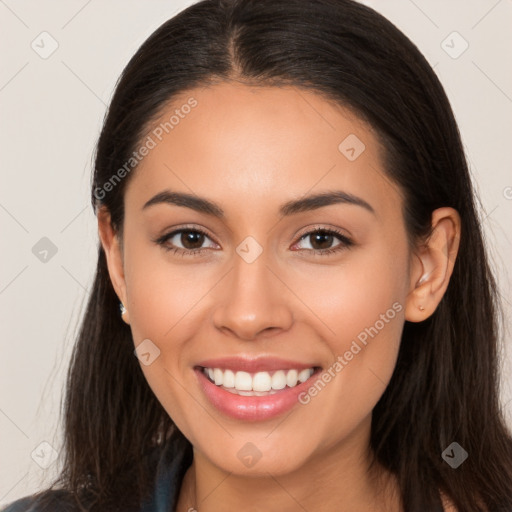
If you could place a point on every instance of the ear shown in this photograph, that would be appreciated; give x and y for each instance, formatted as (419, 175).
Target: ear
(111, 244)
(433, 265)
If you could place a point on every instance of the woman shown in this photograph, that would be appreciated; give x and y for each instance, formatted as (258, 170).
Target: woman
(290, 247)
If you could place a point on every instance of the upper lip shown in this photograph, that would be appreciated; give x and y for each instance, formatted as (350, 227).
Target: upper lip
(254, 365)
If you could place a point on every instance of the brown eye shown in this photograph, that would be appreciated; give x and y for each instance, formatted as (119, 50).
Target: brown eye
(185, 241)
(192, 239)
(321, 241)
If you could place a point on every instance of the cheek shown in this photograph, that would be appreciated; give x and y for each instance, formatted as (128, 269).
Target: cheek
(358, 293)
(164, 303)
(161, 295)
(361, 302)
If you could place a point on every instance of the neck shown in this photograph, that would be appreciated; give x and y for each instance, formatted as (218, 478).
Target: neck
(337, 479)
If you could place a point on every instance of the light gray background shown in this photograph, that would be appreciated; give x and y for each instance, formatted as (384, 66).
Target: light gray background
(51, 111)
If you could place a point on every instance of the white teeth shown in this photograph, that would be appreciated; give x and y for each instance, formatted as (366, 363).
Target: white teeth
(291, 378)
(262, 381)
(304, 375)
(243, 381)
(229, 379)
(279, 380)
(258, 384)
(218, 376)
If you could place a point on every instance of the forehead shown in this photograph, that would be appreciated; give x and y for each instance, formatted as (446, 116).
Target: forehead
(247, 146)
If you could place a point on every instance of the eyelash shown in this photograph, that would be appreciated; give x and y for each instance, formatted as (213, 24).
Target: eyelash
(346, 242)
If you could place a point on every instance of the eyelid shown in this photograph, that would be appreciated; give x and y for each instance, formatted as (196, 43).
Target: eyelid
(161, 240)
(322, 227)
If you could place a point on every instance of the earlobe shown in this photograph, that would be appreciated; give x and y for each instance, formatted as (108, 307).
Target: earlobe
(124, 313)
(435, 262)
(113, 253)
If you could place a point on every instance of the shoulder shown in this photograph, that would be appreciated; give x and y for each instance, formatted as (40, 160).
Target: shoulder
(447, 503)
(448, 506)
(171, 462)
(21, 505)
(49, 501)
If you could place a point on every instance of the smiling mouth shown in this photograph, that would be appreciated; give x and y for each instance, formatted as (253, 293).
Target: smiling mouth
(259, 383)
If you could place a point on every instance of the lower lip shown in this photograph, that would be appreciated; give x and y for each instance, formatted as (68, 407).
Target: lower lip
(252, 408)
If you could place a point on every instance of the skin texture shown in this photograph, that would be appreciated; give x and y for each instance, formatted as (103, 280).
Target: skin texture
(251, 149)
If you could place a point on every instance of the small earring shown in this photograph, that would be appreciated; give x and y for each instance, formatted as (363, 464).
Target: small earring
(122, 308)
(421, 308)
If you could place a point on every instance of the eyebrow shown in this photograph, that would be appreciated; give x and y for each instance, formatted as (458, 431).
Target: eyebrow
(311, 202)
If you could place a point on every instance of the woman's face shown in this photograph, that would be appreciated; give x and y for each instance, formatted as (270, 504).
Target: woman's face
(265, 291)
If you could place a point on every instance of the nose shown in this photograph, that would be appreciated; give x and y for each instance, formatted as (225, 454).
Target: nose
(254, 301)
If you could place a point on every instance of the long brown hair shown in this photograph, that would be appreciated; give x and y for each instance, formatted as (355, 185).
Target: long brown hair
(445, 384)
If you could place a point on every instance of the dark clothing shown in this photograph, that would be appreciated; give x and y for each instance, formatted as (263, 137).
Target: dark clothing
(170, 471)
